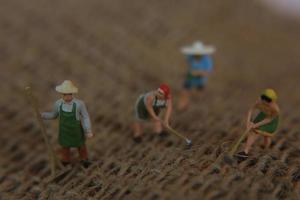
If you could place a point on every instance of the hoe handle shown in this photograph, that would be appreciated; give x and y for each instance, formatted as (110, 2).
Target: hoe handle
(237, 144)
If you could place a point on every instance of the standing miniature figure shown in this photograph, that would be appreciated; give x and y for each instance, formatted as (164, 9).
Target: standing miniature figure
(148, 106)
(265, 123)
(74, 123)
(200, 66)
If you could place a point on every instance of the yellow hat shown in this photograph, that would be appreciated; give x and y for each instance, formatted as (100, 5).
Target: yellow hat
(270, 93)
(67, 87)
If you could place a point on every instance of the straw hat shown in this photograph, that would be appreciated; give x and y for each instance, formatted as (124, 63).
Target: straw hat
(198, 48)
(67, 87)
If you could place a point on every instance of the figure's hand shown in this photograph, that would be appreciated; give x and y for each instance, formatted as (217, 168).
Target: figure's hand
(250, 125)
(166, 123)
(89, 135)
(156, 119)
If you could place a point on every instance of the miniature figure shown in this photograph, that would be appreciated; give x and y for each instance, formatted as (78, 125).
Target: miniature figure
(265, 123)
(200, 66)
(74, 123)
(148, 106)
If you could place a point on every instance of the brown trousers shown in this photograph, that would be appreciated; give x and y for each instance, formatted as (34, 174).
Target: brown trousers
(66, 153)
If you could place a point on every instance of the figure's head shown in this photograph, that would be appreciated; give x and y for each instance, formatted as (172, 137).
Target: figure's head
(67, 89)
(268, 96)
(197, 57)
(163, 92)
(67, 97)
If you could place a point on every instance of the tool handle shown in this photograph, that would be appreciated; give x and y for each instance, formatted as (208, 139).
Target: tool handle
(237, 144)
(53, 159)
(33, 103)
(171, 130)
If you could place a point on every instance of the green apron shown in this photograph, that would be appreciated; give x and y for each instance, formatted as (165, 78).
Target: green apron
(70, 129)
(270, 127)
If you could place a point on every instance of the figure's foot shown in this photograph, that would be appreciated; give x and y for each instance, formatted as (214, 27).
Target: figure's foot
(163, 134)
(86, 163)
(151, 137)
(65, 163)
(137, 139)
(263, 146)
(242, 156)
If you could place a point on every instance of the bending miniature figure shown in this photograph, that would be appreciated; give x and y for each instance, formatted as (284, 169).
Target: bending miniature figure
(74, 123)
(265, 123)
(200, 66)
(148, 107)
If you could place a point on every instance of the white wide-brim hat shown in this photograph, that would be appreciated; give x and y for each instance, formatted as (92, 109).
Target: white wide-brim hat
(67, 87)
(198, 48)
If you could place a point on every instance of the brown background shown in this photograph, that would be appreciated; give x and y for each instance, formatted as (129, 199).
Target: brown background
(114, 51)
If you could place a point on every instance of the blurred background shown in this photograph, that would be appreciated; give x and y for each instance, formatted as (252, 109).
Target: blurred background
(288, 8)
(116, 50)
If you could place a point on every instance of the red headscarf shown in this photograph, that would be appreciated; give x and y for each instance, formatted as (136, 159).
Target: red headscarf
(166, 90)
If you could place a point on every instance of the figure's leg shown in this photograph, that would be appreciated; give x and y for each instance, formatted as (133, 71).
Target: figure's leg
(137, 129)
(140, 115)
(65, 155)
(267, 142)
(184, 99)
(84, 159)
(83, 152)
(250, 141)
(199, 90)
(157, 127)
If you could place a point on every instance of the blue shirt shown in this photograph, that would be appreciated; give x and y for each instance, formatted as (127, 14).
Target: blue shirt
(203, 64)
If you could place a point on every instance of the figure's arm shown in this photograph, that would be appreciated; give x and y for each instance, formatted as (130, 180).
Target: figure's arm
(51, 115)
(149, 101)
(85, 120)
(189, 59)
(169, 111)
(263, 122)
(249, 116)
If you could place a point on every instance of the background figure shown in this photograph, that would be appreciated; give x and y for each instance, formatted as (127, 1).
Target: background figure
(200, 65)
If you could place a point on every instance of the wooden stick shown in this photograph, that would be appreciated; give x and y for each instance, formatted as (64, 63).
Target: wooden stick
(54, 162)
(171, 130)
(237, 144)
